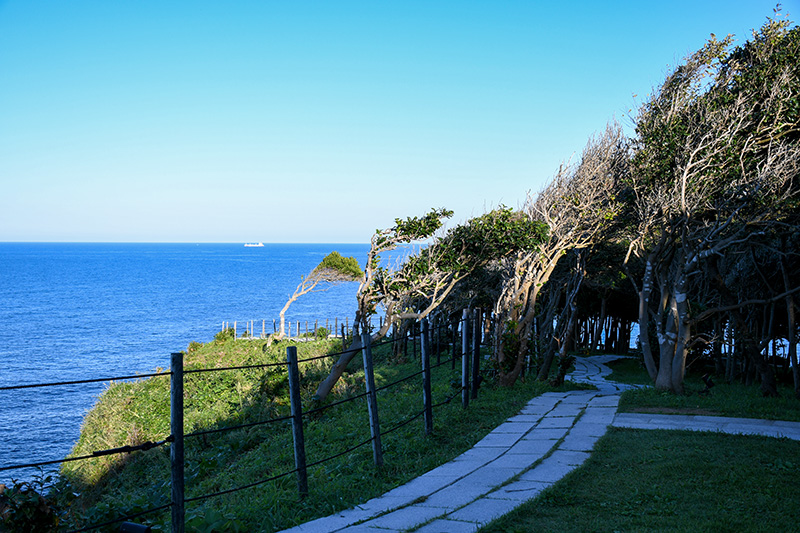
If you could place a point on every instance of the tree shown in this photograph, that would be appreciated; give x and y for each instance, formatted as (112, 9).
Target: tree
(575, 207)
(332, 270)
(425, 280)
(715, 163)
(377, 278)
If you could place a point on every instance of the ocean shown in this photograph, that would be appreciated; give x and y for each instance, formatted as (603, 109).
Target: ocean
(75, 311)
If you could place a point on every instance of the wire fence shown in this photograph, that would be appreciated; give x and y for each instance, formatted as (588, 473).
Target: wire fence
(470, 335)
(297, 329)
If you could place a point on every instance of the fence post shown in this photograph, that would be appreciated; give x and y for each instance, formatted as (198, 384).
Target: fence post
(372, 399)
(413, 340)
(476, 352)
(465, 357)
(297, 421)
(426, 379)
(176, 449)
(453, 345)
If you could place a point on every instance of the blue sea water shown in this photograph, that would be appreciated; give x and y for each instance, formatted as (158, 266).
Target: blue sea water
(84, 311)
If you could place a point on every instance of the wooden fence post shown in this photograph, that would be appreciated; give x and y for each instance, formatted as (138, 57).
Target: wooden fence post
(297, 421)
(465, 357)
(372, 399)
(476, 352)
(453, 344)
(176, 448)
(413, 340)
(426, 379)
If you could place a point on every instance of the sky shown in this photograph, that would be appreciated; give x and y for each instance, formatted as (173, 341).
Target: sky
(314, 121)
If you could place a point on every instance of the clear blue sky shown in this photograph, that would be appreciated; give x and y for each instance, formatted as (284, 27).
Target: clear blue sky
(319, 121)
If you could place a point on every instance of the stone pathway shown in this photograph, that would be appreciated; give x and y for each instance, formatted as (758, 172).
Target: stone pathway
(550, 437)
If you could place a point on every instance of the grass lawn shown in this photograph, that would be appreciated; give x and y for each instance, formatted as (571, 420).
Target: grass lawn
(671, 481)
(724, 399)
(639, 480)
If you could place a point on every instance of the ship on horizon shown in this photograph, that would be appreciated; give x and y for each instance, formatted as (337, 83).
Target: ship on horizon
(254, 245)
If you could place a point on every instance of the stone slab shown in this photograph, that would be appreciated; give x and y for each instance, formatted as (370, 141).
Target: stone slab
(569, 457)
(485, 454)
(419, 488)
(455, 496)
(455, 470)
(547, 472)
(520, 491)
(550, 422)
(582, 443)
(484, 510)
(405, 518)
(514, 427)
(448, 526)
(503, 440)
(516, 461)
(545, 434)
(532, 448)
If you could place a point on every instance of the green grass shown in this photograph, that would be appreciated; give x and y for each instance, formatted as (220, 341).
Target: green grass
(639, 480)
(131, 413)
(724, 399)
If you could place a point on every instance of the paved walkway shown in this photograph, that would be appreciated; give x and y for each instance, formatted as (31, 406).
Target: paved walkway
(551, 436)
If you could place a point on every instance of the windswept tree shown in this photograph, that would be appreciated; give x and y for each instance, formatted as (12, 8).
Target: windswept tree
(404, 232)
(574, 207)
(425, 280)
(332, 270)
(715, 164)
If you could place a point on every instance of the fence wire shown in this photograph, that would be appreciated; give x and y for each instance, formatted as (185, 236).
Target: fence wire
(150, 445)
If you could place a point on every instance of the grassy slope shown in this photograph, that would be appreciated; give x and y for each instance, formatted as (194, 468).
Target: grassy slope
(130, 413)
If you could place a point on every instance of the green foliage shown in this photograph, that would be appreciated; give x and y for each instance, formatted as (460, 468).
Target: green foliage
(29, 506)
(344, 266)
(225, 335)
(322, 333)
(489, 237)
(418, 228)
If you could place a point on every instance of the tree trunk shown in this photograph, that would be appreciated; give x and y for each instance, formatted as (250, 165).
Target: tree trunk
(791, 332)
(683, 334)
(791, 337)
(644, 321)
(338, 369)
(757, 363)
(599, 326)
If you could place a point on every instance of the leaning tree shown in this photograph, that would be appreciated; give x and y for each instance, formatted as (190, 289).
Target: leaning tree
(574, 207)
(332, 270)
(424, 281)
(715, 164)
